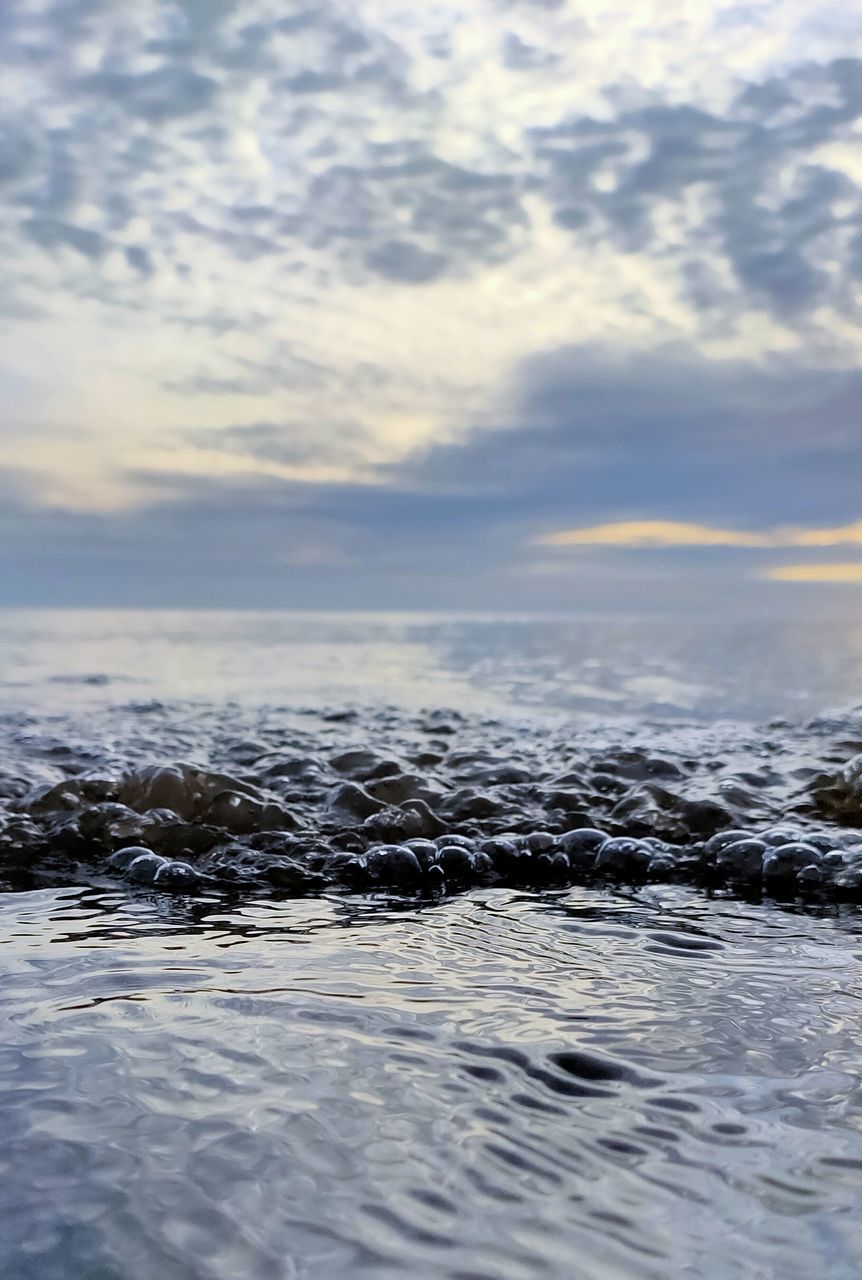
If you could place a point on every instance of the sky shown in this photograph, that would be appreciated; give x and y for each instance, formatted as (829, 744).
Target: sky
(473, 304)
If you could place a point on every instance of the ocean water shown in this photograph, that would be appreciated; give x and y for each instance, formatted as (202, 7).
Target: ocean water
(635, 1072)
(487, 664)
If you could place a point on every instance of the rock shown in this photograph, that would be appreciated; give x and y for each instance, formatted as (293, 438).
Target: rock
(386, 769)
(742, 859)
(242, 815)
(70, 796)
(662, 867)
(435, 879)
(787, 860)
(357, 764)
(412, 820)
(425, 851)
(582, 844)
(470, 803)
(183, 788)
(716, 843)
(160, 787)
(352, 803)
(177, 877)
(539, 842)
(305, 770)
(850, 878)
(145, 868)
(552, 868)
(291, 876)
(110, 823)
(123, 858)
(623, 856)
(394, 865)
(404, 786)
(704, 817)
(457, 863)
(574, 804)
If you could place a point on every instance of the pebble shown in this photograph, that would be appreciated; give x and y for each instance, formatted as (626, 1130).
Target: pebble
(123, 858)
(394, 865)
(479, 803)
(176, 876)
(622, 856)
(145, 868)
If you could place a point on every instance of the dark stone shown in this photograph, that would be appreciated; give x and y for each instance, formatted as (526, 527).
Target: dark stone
(350, 802)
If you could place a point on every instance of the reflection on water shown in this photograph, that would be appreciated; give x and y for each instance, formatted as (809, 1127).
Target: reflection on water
(504, 1086)
(482, 664)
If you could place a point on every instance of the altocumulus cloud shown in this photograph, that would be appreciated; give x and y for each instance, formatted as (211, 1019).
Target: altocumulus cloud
(411, 296)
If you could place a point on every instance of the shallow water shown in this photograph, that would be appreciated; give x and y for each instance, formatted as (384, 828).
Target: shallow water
(490, 1081)
(502, 1086)
(484, 664)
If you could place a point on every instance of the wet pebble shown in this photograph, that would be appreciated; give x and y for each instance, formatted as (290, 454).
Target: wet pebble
(145, 868)
(123, 858)
(742, 859)
(176, 877)
(457, 862)
(394, 865)
(427, 814)
(582, 844)
(784, 862)
(622, 856)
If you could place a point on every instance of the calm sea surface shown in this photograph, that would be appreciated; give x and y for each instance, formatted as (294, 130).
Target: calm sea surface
(578, 1084)
(484, 663)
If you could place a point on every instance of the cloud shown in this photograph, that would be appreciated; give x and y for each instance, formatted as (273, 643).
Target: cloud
(349, 142)
(285, 443)
(167, 93)
(736, 189)
(826, 573)
(586, 436)
(652, 533)
(405, 263)
(518, 55)
(434, 280)
(676, 533)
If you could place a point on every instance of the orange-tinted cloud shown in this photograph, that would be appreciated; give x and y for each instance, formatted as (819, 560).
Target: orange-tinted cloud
(679, 533)
(816, 573)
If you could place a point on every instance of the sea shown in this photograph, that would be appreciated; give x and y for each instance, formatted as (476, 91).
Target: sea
(313, 1060)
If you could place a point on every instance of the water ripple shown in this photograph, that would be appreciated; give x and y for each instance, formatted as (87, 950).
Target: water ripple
(505, 1085)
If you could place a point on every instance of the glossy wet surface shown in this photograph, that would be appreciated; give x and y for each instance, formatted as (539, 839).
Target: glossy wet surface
(503, 1086)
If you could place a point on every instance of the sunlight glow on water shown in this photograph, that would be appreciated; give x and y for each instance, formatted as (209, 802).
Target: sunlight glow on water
(482, 663)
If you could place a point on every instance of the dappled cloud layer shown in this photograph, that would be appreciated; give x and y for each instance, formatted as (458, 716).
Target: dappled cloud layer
(319, 284)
